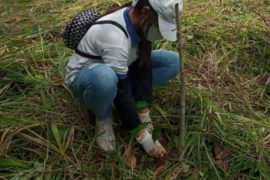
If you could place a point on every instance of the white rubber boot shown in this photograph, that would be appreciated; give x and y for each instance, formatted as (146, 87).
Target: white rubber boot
(105, 134)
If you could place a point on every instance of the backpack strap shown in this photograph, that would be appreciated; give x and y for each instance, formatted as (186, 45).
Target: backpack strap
(113, 23)
(77, 51)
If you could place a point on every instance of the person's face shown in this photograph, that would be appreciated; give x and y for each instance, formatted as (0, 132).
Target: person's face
(149, 24)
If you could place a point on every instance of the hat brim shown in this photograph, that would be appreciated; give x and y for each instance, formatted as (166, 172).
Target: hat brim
(167, 30)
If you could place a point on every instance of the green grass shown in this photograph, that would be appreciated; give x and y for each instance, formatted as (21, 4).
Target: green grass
(227, 57)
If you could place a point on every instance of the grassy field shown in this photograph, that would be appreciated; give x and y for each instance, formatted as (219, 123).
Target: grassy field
(227, 58)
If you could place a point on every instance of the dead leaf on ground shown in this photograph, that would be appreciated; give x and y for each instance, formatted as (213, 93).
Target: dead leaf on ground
(222, 164)
(172, 154)
(130, 158)
(182, 170)
(159, 170)
(221, 154)
(174, 173)
(220, 151)
(132, 162)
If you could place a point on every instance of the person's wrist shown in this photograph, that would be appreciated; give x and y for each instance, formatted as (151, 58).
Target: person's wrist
(144, 116)
(139, 133)
(141, 105)
(145, 110)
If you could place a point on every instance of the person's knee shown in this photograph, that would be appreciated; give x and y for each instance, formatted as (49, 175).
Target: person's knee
(173, 58)
(173, 61)
(105, 82)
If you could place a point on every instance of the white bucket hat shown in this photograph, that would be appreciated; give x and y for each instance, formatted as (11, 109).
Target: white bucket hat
(166, 16)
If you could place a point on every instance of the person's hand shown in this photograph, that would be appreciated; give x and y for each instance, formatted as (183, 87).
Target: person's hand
(154, 149)
(158, 151)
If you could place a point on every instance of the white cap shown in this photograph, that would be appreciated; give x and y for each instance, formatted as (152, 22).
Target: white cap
(166, 16)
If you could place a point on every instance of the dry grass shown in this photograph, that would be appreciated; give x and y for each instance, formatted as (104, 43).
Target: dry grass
(226, 46)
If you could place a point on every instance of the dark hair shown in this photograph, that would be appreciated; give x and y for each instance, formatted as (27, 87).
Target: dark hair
(142, 3)
(109, 11)
(145, 46)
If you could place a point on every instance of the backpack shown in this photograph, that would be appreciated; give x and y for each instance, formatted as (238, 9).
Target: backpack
(78, 27)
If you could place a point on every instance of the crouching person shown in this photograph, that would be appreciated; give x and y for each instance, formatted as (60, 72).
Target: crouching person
(127, 70)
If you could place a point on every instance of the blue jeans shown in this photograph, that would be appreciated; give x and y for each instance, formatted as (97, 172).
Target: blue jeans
(97, 86)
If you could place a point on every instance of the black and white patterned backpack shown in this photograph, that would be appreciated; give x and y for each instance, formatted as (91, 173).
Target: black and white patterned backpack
(78, 27)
